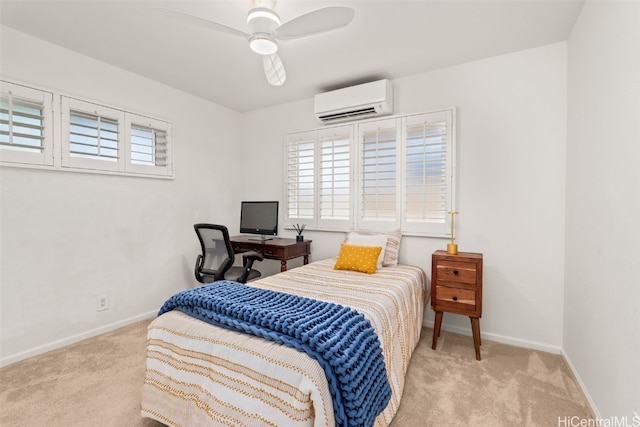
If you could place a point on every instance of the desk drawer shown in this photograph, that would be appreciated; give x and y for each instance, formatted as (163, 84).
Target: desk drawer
(269, 252)
(237, 248)
(272, 252)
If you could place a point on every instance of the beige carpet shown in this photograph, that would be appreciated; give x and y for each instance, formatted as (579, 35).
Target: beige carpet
(97, 382)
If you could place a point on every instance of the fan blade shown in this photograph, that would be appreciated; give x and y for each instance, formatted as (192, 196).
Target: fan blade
(274, 69)
(201, 22)
(318, 21)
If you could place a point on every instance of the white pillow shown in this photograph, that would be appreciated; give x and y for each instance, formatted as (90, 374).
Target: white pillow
(391, 251)
(369, 240)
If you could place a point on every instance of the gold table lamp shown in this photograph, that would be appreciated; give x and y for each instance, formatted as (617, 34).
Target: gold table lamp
(452, 248)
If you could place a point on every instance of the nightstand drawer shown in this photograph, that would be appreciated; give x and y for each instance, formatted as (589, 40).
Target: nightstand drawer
(459, 272)
(462, 299)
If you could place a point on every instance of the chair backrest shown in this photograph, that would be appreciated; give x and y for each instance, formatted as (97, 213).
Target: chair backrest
(217, 252)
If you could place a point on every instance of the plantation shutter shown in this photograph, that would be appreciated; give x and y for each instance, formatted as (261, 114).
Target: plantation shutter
(300, 182)
(21, 124)
(25, 125)
(89, 136)
(427, 172)
(149, 145)
(143, 147)
(379, 149)
(395, 173)
(93, 136)
(335, 179)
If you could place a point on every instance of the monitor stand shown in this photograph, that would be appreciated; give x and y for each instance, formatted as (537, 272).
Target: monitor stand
(262, 238)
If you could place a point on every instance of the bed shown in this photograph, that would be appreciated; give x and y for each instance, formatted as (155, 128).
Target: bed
(201, 374)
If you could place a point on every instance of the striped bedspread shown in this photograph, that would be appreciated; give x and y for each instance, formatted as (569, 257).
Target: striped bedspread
(339, 338)
(200, 374)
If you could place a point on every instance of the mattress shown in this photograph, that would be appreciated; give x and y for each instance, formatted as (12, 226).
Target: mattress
(199, 374)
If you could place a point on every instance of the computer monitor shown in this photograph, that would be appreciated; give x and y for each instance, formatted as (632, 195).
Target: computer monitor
(259, 218)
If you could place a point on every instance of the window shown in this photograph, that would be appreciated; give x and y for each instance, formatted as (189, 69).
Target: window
(378, 177)
(402, 175)
(107, 139)
(92, 136)
(149, 146)
(319, 178)
(300, 178)
(26, 130)
(88, 136)
(336, 193)
(428, 173)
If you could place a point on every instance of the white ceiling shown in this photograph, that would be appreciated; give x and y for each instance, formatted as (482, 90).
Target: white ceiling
(386, 39)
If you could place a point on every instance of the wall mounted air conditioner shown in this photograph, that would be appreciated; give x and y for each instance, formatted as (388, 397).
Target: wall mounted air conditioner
(355, 102)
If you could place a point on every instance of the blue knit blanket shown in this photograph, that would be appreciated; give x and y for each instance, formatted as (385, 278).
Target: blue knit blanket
(339, 338)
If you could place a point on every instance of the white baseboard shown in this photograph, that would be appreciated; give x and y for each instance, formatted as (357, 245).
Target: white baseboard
(585, 392)
(499, 338)
(74, 338)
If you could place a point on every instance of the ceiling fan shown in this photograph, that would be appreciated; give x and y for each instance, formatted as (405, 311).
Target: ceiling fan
(265, 30)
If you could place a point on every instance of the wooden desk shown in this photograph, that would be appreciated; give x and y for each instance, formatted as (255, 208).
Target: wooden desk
(276, 248)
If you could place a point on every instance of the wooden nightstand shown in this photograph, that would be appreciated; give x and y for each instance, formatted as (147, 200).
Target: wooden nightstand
(456, 287)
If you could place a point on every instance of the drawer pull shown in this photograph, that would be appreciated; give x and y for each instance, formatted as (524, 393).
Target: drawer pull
(455, 272)
(455, 298)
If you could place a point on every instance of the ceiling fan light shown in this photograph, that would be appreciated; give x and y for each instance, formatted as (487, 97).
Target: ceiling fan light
(263, 45)
(263, 12)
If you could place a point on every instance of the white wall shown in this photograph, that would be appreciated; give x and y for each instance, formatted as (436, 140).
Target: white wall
(511, 114)
(67, 238)
(602, 286)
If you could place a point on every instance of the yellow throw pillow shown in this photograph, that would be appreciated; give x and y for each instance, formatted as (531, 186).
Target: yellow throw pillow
(358, 258)
(369, 240)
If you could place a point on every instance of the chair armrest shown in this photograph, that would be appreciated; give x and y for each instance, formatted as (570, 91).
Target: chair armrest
(248, 259)
(252, 256)
(197, 271)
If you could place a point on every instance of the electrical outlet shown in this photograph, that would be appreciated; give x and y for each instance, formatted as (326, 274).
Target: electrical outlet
(103, 303)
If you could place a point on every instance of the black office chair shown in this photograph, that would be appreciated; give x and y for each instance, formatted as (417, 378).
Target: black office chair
(216, 261)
